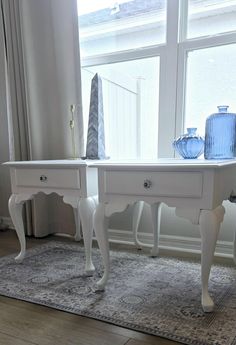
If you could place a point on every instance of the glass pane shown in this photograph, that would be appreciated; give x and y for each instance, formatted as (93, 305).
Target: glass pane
(130, 102)
(209, 17)
(115, 25)
(211, 81)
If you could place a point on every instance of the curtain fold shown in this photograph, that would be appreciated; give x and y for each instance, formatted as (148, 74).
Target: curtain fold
(16, 93)
(43, 65)
(52, 67)
(19, 140)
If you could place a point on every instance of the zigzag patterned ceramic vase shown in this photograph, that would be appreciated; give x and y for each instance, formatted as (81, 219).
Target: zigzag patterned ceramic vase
(96, 138)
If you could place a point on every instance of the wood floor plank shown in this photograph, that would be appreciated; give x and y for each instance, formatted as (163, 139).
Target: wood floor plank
(6, 339)
(43, 329)
(72, 318)
(158, 341)
(28, 323)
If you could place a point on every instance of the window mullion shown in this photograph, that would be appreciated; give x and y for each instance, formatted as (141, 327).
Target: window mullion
(180, 92)
(132, 54)
(183, 20)
(209, 41)
(168, 82)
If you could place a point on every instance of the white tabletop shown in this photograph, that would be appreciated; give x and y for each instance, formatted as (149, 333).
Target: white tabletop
(161, 162)
(69, 163)
(165, 162)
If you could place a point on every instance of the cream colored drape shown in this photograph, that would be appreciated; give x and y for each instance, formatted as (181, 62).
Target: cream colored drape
(19, 145)
(43, 65)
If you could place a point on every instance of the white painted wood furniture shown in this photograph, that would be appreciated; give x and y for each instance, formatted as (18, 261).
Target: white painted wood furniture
(71, 179)
(196, 188)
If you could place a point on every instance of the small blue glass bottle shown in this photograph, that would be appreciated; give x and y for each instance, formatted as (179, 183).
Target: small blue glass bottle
(220, 135)
(189, 145)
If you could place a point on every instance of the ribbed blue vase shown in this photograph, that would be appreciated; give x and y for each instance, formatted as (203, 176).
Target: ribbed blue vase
(189, 145)
(220, 135)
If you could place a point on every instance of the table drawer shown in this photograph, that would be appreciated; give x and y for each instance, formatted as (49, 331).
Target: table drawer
(169, 184)
(48, 178)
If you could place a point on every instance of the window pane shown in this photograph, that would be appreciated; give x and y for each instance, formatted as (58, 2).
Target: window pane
(209, 17)
(211, 81)
(130, 102)
(110, 25)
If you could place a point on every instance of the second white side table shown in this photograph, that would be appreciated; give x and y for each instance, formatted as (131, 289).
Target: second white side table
(71, 179)
(75, 181)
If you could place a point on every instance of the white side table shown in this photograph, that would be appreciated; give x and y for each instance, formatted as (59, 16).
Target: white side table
(196, 188)
(72, 179)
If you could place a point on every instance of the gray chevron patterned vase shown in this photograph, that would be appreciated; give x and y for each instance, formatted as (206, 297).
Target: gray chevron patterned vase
(96, 138)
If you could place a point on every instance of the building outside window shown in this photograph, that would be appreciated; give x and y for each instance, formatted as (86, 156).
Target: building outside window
(165, 66)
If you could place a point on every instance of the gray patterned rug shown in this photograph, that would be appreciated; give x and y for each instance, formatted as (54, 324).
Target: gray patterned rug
(159, 296)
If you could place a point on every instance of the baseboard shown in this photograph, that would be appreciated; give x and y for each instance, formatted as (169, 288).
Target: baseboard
(169, 242)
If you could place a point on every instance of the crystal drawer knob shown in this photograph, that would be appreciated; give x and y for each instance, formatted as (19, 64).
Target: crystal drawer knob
(43, 178)
(147, 184)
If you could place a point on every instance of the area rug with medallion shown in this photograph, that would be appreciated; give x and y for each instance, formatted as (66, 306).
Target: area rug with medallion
(159, 296)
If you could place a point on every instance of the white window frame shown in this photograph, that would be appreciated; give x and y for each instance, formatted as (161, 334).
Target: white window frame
(173, 61)
(184, 47)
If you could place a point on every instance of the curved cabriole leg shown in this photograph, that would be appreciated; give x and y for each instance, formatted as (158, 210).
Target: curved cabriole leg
(15, 210)
(86, 211)
(209, 222)
(77, 236)
(137, 213)
(156, 221)
(100, 227)
(234, 248)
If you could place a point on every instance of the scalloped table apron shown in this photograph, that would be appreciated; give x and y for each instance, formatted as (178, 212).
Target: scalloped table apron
(196, 188)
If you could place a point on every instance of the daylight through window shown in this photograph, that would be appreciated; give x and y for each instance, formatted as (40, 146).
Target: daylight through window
(165, 65)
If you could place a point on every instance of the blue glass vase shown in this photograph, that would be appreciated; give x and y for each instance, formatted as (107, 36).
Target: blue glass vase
(220, 135)
(189, 145)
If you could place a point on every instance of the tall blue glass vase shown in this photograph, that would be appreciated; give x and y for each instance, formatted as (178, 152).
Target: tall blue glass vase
(220, 135)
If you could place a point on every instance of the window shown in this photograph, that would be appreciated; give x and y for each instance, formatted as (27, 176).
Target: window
(130, 89)
(206, 64)
(110, 26)
(203, 93)
(211, 17)
(165, 65)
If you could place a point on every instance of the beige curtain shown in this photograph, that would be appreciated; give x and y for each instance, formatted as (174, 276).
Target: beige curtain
(44, 69)
(19, 145)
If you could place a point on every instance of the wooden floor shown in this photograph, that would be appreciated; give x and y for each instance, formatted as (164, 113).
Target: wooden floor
(23, 323)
